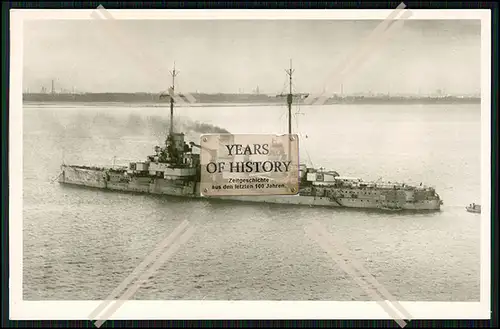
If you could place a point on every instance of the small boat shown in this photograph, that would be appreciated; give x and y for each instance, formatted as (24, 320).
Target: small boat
(475, 208)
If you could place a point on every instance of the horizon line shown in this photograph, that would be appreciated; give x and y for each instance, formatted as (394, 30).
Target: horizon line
(474, 95)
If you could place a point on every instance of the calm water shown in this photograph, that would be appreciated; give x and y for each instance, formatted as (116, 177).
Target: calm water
(81, 243)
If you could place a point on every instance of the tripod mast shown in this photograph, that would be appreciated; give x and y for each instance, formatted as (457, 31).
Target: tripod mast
(289, 98)
(173, 73)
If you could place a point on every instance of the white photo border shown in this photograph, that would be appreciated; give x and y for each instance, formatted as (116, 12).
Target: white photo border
(187, 310)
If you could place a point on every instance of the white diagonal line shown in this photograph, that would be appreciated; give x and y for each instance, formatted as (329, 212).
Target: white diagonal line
(135, 52)
(363, 57)
(346, 268)
(140, 268)
(369, 49)
(379, 44)
(372, 40)
(145, 276)
(318, 235)
(374, 37)
(179, 100)
(103, 12)
(360, 268)
(190, 98)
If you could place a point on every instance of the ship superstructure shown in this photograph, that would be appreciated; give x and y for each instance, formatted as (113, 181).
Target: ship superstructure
(174, 169)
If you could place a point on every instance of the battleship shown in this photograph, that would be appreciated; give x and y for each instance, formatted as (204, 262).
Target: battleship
(175, 170)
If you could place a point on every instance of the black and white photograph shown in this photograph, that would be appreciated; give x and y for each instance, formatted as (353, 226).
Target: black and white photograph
(389, 111)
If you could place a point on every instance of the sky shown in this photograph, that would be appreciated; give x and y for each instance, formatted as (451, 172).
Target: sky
(221, 56)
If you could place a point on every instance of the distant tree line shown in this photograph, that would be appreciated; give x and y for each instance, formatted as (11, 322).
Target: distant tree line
(238, 98)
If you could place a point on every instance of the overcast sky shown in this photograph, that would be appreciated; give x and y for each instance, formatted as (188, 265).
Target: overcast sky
(230, 56)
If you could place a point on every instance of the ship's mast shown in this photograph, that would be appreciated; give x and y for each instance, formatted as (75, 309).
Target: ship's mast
(173, 73)
(289, 98)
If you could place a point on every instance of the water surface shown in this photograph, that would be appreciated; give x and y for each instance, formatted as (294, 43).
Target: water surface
(81, 243)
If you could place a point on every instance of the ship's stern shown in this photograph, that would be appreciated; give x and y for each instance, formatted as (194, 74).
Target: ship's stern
(434, 201)
(81, 175)
(425, 199)
(439, 201)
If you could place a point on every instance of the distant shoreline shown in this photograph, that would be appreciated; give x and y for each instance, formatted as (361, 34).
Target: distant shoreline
(234, 99)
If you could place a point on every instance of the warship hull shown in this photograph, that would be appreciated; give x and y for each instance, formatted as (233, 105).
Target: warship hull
(175, 170)
(116, 180)
(428, 205)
